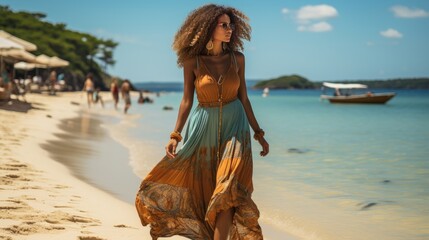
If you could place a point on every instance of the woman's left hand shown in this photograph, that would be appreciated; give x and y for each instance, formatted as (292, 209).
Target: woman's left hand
(265, 146)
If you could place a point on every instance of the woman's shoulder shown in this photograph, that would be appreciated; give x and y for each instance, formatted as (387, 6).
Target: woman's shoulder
(190, 62)
(238, 55)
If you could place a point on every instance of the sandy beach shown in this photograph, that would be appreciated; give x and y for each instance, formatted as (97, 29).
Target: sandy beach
(40, 197)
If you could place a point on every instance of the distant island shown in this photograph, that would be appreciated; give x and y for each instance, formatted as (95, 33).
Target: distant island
(286, 82)
(299, 82)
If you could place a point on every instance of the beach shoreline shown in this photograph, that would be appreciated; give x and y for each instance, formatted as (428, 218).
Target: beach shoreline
(40, 197)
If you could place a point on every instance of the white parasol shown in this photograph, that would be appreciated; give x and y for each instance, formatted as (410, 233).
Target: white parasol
(51, 61)
(28, 46)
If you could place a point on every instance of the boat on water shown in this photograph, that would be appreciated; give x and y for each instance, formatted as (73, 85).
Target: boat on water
(266, 92)
(353, 93)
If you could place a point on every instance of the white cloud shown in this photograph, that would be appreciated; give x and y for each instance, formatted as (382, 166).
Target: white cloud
(391, 33)
(312, 18)
(405, 12)
(317, 27)
(316, 12)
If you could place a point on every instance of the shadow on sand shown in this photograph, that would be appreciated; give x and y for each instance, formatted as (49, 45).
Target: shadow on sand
(19, 106)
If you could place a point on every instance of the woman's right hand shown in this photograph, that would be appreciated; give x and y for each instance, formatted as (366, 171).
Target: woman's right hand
(265, 146)
(170, 149)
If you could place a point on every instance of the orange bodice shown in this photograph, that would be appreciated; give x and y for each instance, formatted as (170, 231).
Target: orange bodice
(207, 87)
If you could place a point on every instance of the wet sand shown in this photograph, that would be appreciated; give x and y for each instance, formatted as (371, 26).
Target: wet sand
(86, 148)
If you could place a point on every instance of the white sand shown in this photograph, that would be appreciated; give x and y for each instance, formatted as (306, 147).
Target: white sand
(40, 199)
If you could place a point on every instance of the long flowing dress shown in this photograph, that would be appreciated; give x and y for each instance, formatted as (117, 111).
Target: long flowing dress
(210, 173)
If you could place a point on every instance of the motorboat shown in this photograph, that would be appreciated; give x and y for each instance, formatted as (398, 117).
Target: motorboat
(353, 93)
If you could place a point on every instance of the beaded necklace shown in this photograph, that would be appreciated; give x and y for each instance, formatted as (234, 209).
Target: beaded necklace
(220, 98)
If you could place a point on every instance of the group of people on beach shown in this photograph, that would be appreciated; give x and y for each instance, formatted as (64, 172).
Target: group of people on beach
(9, 85)
(93, 93)
(125, 93)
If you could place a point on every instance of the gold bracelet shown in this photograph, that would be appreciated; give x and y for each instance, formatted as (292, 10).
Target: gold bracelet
(259, 134)
(176, 135)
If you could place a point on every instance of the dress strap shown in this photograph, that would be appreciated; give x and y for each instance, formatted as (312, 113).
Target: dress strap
(198, 62)
(235, 61)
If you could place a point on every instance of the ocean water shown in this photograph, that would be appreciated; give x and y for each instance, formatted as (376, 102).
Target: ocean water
(334, 171)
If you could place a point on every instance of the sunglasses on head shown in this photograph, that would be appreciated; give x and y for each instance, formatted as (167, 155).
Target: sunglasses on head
(227, 26)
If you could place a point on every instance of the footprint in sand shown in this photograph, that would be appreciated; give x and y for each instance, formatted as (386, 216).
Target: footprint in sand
(27, 228)
(90, 238)
(12, 176)
(5, 238)
(79, 219)
(62, 207)
(31, 187)
(122, 226)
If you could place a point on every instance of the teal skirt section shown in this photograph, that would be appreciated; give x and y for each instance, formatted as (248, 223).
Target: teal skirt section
(202, 129)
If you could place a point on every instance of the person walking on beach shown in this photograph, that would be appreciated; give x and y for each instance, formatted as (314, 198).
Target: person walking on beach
(203, 190)
(88, 86)
(52, 82)
(98, 98)
(125, 92)
(5, 82)
(114, 89)
(140, 100)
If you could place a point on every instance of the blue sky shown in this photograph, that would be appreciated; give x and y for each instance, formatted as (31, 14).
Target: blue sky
(320, 40)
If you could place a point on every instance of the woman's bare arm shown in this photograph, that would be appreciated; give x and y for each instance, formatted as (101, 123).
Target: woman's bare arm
(242, 95)
(189, 67)
(188, 94)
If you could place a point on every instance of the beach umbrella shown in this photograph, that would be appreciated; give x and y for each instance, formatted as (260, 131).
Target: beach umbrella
(58, 62)
(8, 47)
(43, 59)
(6, 44)
(19, 55)
(24, 65)
(51, 61)
(15, 48)
(28, 46)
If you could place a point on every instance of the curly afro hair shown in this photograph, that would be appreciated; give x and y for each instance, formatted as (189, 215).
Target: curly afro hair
(198, 27)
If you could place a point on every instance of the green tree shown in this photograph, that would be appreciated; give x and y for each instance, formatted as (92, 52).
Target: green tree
(85, 52)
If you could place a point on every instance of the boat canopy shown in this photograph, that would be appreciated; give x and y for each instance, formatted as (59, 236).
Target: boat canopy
(344, 85)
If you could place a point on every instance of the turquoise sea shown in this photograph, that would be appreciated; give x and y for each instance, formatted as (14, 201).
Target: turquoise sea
(334, 171)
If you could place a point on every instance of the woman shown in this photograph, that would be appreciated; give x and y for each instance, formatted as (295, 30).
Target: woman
(88, 86)
(114, 89)
(125, 91)
(204, 190)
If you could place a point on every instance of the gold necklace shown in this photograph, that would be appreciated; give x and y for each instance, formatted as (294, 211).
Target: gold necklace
(220, 80)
